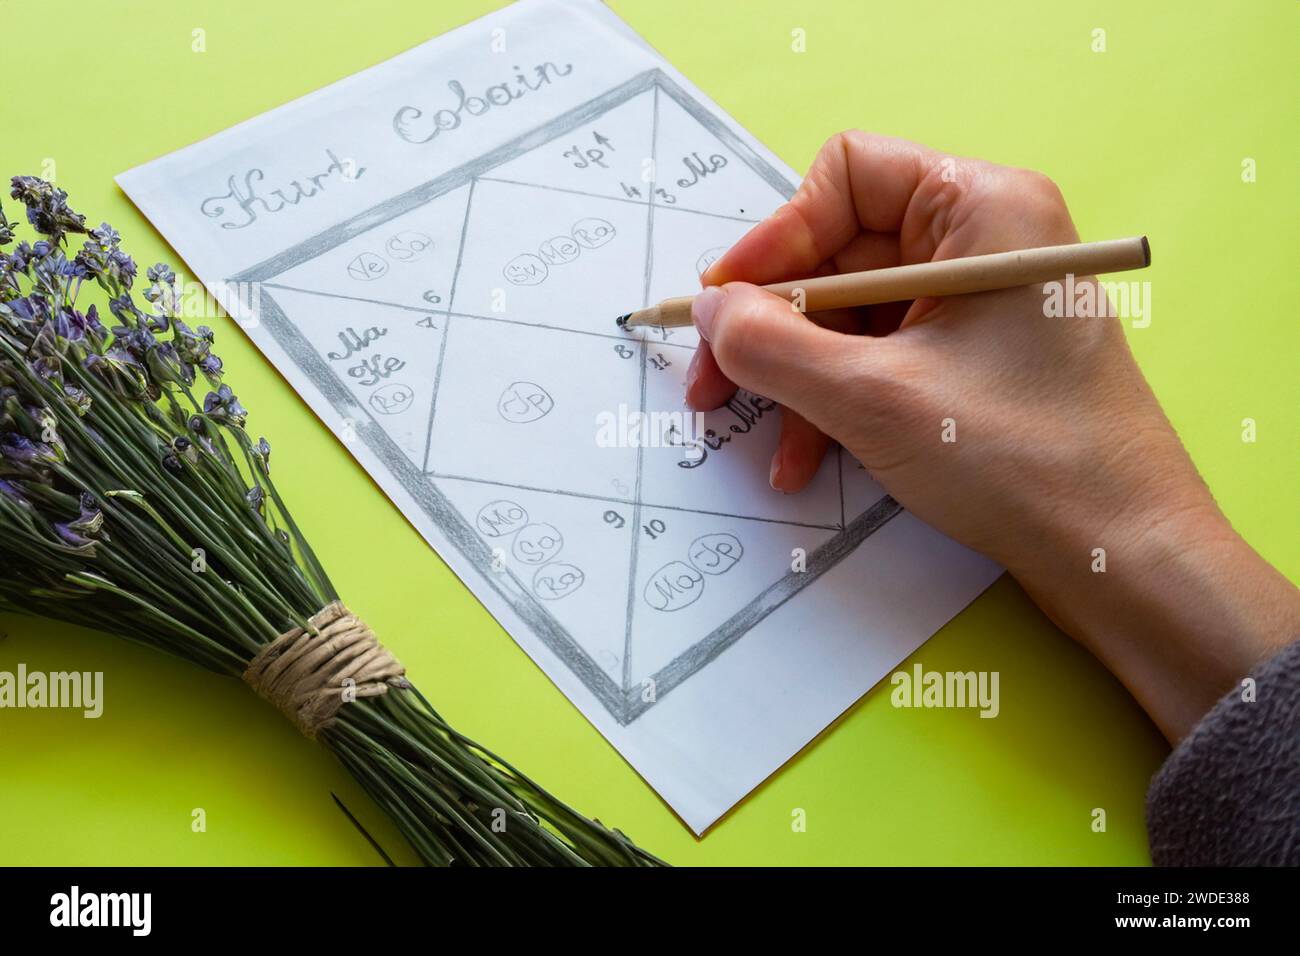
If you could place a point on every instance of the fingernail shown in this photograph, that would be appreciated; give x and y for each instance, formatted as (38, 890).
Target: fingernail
(774, 475)
(704, 308)
(692, 372)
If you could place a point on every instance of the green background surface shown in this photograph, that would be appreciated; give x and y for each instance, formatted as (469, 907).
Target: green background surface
(1148, 136)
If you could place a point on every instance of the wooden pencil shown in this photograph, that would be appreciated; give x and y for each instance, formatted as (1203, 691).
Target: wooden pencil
(999, 270)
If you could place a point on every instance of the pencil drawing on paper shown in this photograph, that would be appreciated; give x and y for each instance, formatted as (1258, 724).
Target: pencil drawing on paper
(464, 330)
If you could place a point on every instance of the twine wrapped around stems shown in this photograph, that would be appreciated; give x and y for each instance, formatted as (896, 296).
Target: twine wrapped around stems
(309, 674)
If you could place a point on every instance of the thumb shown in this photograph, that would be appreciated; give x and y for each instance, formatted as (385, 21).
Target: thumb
(763, 344)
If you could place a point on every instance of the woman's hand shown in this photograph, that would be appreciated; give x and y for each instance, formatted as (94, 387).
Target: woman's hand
(1030, 438)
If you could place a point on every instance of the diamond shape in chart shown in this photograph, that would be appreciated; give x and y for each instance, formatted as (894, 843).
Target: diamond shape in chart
(507, 413)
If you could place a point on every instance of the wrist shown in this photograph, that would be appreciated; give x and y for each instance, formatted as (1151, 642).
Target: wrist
(1176, 604)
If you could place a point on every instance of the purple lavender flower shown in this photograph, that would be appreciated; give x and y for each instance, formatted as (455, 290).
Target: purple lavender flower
(124, 311)
(11, 491)
(184, 449)
(18, 258)
(30, 310)
(211, 367)
(82, 531)
(223, 406)
(160, 272)
(27, 189)
(47, 207)
(195, 349)
(48, 367)
(106, 236)
(20, 455)
(91, 518)
(15, 447)
(78, 399)
(6, 229)
(92, 258)
(165, 365)
(74, 538)
(122, 267)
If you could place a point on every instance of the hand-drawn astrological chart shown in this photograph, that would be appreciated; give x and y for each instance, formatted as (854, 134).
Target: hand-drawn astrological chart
(464, 330)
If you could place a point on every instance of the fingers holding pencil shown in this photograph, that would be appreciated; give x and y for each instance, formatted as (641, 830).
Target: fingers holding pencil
(802, 445)
(880, 231)
(823, 230)
(756, 339)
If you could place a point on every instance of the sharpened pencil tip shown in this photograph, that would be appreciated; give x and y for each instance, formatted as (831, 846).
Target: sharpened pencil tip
(621, 321)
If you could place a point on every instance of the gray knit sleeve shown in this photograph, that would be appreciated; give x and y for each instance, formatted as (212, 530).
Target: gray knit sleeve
(1229, 794)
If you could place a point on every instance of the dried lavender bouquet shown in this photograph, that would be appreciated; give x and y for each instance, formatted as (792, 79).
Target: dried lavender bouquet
(129, 505)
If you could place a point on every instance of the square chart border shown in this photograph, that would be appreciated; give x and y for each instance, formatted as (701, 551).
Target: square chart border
(625, 704)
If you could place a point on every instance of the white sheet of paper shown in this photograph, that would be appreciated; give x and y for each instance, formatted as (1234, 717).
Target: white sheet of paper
(432, 252)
